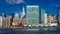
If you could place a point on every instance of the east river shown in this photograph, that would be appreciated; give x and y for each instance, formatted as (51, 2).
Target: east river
(47, 30)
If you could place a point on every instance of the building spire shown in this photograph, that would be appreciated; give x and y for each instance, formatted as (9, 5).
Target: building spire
(23, 13)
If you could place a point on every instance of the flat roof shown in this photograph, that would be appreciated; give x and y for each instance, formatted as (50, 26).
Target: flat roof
(32, 5)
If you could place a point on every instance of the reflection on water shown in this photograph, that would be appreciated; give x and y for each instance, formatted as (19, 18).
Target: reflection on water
(31, 31)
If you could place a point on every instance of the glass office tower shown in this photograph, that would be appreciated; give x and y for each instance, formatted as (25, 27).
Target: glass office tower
(32, 14)
(59, 15)
(42, 15)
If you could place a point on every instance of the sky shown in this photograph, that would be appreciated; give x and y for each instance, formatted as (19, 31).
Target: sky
(11, 6)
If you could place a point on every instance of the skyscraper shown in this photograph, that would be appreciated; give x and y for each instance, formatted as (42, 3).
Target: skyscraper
(45, 18)
(16, 15)
(7, 21)
(59, 15)
(42, 15)
(16, 19)
(15, 22)
(22, 15)
(3, 18)
(1, 21)
(49, 17)
(24, 21)
(55, 18)
(32, 14)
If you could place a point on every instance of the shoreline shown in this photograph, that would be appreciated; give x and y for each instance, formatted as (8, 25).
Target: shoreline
(29, 27)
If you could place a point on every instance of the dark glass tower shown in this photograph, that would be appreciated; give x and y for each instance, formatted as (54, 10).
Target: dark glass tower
(59, 15)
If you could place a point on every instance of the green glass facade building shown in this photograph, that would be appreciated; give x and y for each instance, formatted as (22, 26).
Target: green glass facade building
(32, 14)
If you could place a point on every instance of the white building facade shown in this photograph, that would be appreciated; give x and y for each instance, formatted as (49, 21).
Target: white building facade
(1, 21)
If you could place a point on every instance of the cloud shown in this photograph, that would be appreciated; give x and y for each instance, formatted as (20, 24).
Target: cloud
(18, 1)
(54, 5)
(9, 1)
(14, 1)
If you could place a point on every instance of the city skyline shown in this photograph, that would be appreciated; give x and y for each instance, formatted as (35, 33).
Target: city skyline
(49, 5)
(32, 18)
(29, 16)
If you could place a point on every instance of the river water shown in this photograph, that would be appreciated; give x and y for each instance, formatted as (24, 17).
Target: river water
(30, 31)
